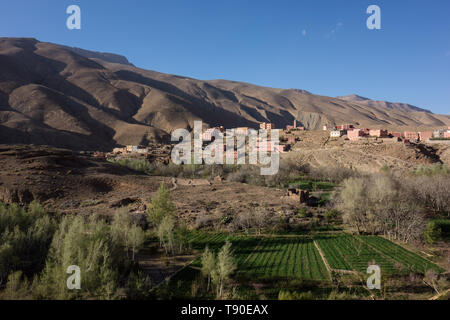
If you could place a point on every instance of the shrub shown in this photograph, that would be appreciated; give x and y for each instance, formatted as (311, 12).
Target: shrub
(140, 165)
(304, 213)
(432, 232)
(331, 214)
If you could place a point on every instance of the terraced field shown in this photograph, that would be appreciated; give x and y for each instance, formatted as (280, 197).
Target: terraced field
(297, 257)
(284, 257)
(348, 252)
(272, 257)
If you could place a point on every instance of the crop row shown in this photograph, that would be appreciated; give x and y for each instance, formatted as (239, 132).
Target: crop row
(278, 257)
(358, 252)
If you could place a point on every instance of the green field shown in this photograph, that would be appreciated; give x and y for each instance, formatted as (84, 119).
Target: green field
(312, 185)
(348, 252)
(271, 257)
(285, 257)
(297, 256)
(294, 263)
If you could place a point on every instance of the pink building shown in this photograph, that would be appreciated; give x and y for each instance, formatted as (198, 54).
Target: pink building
(354, 134)
(378, 133)
(266, 126)
(423, 136)
(410, 135)
(447, 134)
(347, 126)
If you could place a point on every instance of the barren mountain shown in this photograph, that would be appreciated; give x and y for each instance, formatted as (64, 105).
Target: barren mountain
(77, 99)
(383, 104)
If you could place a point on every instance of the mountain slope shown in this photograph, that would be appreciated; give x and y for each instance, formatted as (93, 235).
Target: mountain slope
(383, 104)
(73, 98)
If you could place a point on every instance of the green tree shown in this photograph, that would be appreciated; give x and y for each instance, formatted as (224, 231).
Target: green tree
(161, 206)
(136, 239)
(208, 265)
(126, 233)
(225, 266)
(432, 232)
(166, 234)
(89, 245)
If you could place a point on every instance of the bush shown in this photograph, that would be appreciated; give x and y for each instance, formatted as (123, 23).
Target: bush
(331, 214)
(140, 165)
(432, 232)
(25, 237)
(304, 213)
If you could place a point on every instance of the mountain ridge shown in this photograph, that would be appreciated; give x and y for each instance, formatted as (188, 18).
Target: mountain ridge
(76, 99)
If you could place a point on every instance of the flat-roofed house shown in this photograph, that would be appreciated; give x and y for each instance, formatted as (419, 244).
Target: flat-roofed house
(411, 135)
(337, 133)
(131, 149)
(354, 134)
(425, 135)
(347, 126)
(266, 126)
(396, 134)
(378, 133)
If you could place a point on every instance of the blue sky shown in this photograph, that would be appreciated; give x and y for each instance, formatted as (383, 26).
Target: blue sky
(322, 46)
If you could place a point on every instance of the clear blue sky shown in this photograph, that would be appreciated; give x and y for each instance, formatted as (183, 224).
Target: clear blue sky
(285, 44)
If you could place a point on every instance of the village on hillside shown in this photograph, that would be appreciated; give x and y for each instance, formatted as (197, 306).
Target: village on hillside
(288, 137)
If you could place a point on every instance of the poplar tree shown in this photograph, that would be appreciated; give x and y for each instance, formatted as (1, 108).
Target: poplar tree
(208, 264)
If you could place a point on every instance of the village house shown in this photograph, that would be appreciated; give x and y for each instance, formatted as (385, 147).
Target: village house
(295, 127)
(425, 135)
(354, 134)
(378, 133)
(442, 133)
(131, 149)
(337, 133)
(266, 126)
(447, 133)
(396, 134)
(345, 127)
(411, 135)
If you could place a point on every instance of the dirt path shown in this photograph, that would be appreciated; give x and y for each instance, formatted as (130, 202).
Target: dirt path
(324, 260)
